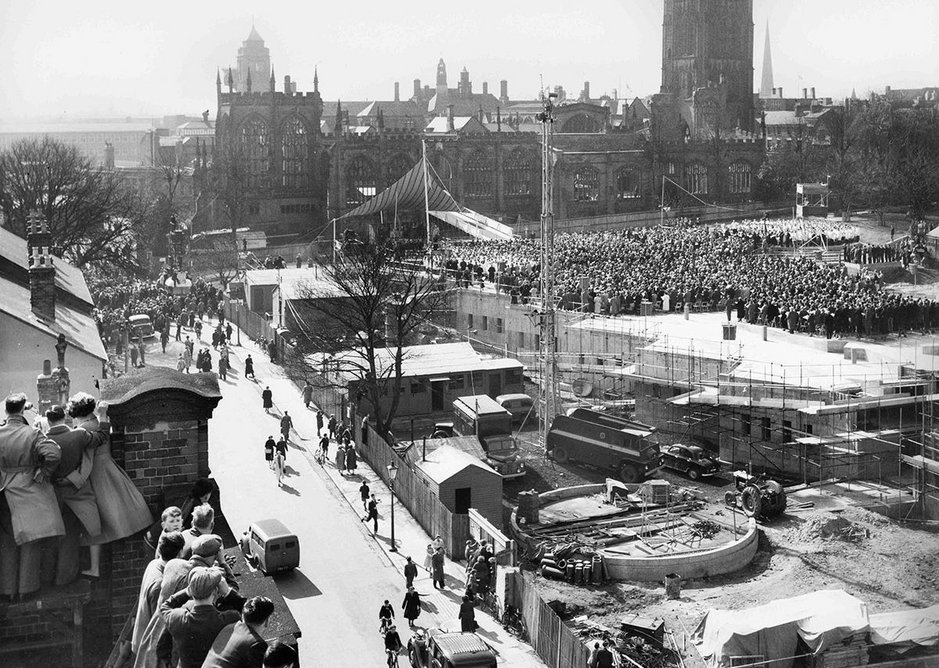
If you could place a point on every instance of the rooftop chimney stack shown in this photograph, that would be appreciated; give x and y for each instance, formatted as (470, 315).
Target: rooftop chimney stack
(397, 92)
(805, 93)
(780, 92)
(485, 88)
(504, 91)
(813, 92)
(586, 91)
(417, 88)
(288, 87)
(41, 269)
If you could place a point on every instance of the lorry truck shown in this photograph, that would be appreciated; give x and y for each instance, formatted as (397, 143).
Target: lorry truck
(479, 417)
(606, 442)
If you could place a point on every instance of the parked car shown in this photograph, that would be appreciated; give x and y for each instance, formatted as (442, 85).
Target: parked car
(141, 326)
(689, 459)
(521, 406)
(436, 649)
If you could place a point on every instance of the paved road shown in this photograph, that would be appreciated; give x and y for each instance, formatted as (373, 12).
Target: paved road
(345, 572)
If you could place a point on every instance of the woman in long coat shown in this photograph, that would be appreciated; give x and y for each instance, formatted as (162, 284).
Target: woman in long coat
(467, 615)
(350, 458)
(340, 458)
(411, 606)
(123, 509)
(267, 397)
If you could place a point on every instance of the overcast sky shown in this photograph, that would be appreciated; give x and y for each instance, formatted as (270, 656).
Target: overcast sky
(66, 59)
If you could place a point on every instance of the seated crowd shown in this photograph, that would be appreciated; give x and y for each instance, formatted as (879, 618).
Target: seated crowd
(707, 267)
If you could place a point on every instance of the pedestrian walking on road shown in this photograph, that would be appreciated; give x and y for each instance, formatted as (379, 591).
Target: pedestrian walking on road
(308, 395)
(249, 367)
(324, 448)
(179, 327)
(436, 563)
(286, 424)
(164, 339)
(364, 492)
(411, 606)
(267, 397)
(269, 446)
(281, 446)
(340, 459)
(372, 513)
(410, 572)
(280, 461)
(198, 329)
(180, 362)
(223, 368)
(319, 421)
(351, 458)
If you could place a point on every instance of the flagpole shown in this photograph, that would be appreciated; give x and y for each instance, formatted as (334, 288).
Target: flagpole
(426, 203)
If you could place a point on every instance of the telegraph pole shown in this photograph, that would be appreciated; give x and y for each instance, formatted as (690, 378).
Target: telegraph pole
(547, 324)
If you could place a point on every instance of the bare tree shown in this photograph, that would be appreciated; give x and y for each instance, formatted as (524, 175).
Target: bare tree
(219, 261)
(369, 308)
(90, 210)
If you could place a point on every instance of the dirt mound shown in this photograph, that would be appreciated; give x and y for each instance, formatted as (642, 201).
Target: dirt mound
(833, 527)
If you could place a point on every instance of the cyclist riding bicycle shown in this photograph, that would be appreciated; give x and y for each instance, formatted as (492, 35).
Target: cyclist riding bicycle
(392, 645)
(385, 614)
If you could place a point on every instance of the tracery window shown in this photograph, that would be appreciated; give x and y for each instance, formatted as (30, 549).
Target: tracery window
(478, 175)
(254, 144)
(518, 171)
(398, 166)
(740, 177)
(295, 152)
(586, 184)
(628, 183)
(360, 182)
(696, 179)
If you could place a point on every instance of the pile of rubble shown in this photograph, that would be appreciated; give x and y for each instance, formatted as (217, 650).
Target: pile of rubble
(647, 648)
(833, 528)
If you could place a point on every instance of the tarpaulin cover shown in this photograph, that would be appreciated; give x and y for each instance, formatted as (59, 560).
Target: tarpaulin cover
(906, 627)
(773, 630)
(475, 224)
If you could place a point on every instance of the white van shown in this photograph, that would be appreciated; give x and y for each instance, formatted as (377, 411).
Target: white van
(521, 406)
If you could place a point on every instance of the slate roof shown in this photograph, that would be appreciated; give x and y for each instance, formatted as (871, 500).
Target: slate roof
(14, 263)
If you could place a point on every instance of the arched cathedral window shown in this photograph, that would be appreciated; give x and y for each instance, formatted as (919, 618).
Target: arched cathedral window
(254, 144)
(696, 179)
(740, 177)
(360, 182)
(518, 174)
(478, 175)
(586, 184)
(295, 151)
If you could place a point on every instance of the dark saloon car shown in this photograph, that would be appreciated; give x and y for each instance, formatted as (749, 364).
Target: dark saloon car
(689, 459)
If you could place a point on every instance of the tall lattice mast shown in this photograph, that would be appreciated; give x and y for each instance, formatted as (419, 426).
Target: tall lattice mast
(547, 323)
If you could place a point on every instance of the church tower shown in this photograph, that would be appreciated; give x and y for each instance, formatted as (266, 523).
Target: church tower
(766, 82)
(441, 79)
(706, 44)
(253, 58)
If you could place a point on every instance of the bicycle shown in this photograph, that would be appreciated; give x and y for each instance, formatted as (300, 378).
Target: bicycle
(392, 658)
(490, 601)
(513, 622)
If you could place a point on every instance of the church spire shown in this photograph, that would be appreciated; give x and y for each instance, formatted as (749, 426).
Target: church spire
(338, 118)
(766, 83)
(272, 79)
(218, 81)
(231, 81)
(316, 80)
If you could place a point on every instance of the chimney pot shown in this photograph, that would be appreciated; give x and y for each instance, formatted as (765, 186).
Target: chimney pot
(485, 88)
(397, 92)
(504, 90)
(805, 93)
(813, 92)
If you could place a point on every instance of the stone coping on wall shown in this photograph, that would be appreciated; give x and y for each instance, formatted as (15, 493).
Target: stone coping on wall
(723, 559)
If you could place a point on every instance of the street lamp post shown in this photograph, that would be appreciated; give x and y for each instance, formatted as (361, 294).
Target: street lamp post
(392, 474)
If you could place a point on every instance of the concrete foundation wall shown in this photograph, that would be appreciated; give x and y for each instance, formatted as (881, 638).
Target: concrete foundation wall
(724, 559)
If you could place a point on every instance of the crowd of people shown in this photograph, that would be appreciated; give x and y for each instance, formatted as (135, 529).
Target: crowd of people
(905, 251)
(717, 267)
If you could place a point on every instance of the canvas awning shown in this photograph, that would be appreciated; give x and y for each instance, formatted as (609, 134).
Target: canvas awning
(475, 224)
(408, 193)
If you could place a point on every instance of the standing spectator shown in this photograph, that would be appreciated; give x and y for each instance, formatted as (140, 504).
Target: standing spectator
(179, 327)
(249, 367)
(279, 655)
(168, 547)
(364, 493)
(308, 396)
(133, 353)
(241, 645)
(604, 657)
(272, 350)
(181, 363)
(410, 572)
(286, 423)
(269, 446)
(228, 331)
(267, 398)
(428, 557)
(372, 513)
(192, 618)
(340, 458)
(324, 446)
(467, 615)
(198, 328)
(351, 459)
(436, 562)
(332, 426)
(299, 261)
(319, 421)
(411, 606)
(164, 338)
